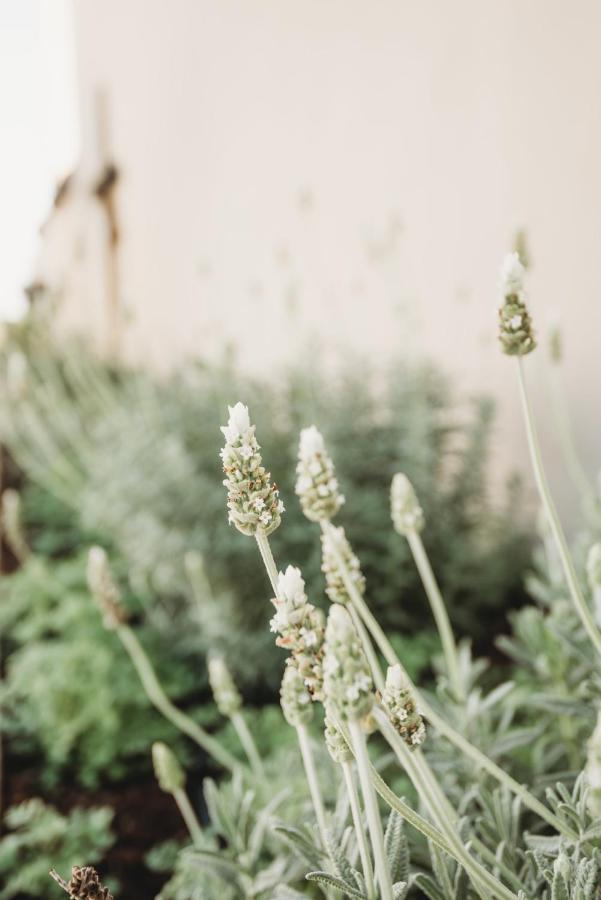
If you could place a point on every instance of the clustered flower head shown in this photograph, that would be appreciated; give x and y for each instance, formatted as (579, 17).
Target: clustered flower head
(316, 483)
(336, 743)
(167, 770)
(225, 693)
(253, 501)
(401, 709)
(515, 325)
(294, 697)
(593, 771)
(104, 590)
(407, 515)
(300, 629)
(348, 687)
(332, 541)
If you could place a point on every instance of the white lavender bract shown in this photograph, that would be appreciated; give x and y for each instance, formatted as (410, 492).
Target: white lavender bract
(316, 482)
(515, 325)
(593, 771)
(335, 587)
(407, 515)
(253, 501)
(348, 687)
(401, 708)
(300, 628)
(294, 697)
(336, 743)
(225, 693)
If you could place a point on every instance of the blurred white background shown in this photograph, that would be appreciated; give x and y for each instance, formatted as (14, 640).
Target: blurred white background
(302, 172)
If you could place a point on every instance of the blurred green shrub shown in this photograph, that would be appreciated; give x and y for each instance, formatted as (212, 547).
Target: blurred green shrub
(40, 838)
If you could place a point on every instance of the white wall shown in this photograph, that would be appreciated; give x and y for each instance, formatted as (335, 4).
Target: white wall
(429, 129)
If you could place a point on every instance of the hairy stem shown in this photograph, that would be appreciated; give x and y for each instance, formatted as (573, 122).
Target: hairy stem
(250, 748)
(314, 788)
(371, 810)
(161, 701)
(353, 796)
(439, 612)
(267, 557)
(545, 494)
(188, 815)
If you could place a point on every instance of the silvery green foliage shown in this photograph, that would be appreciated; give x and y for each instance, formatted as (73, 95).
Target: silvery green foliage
(39, 838)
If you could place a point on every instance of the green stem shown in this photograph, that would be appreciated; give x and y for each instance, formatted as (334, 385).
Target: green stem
(250, 748)
(353, 796)
(545, 494)
(161, 701)
(313, 782)
(371, 810)
(441, 724)
(188, 815)
(268, 560)
(439, 611)
(440, 809)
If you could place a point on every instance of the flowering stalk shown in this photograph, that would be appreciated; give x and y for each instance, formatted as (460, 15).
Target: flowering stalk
(229, 703)
(517, 339)
(106, 594)
(441, 725)
(342, 754)
(172, 780)
(12, 525)
(408, 520)
(348, 691)
(296, 706)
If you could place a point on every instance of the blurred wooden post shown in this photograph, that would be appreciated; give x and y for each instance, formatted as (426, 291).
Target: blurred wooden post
(104, 190)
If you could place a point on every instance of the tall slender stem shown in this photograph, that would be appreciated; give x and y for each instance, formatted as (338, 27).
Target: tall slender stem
(440, 809)
(268, 560)
(439, 722)
(250, 748)
(312, 780)
(353, 796)
(188, 815)
(161, 701)
(545, 494)
(439, 611)
(371, 810)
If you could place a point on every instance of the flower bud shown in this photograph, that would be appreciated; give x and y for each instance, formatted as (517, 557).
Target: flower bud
(336, 743)
(347, 680)
(167, 770)
(225, 693)
(316, 483)
(407, 515)
(515, 325)
(294, 697)
(335, 587)
(104, 590)
(401, 709)
(253, 501)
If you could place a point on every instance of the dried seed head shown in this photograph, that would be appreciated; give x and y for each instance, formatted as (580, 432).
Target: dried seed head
(294, 697)
(347, 680)
(593, 567)
(316, 482)
(407, 515)
(225, 693)
(167, 770)
(253, 501)
(515, 325)
(332, 541)
(398, 701)
(84, 884)
(104, 590)
(336, 743)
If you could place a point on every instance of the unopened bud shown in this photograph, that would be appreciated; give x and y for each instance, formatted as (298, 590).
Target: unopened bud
(407, 515)
(225, 693)
(167, 770)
